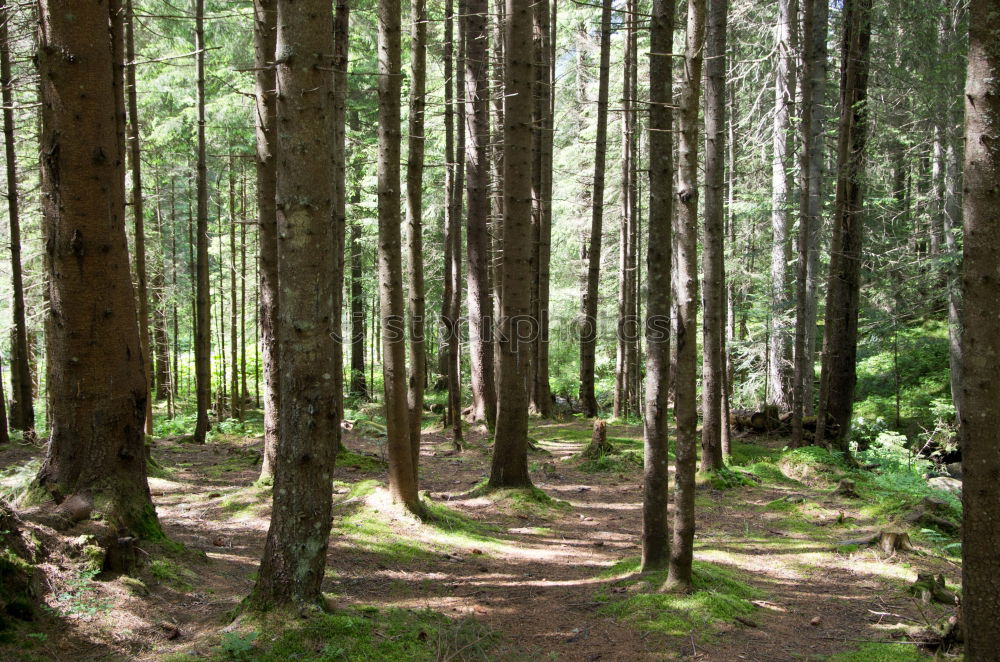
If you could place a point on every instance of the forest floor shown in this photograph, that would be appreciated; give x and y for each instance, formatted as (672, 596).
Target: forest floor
(541, 575)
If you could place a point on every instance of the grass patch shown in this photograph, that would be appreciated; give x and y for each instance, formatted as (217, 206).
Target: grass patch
(724, 479)
(744, 454)
(769, 472)
(246, 502)
(236, 461)
(360, 461)
(365, 633)
(718, 596)
(529, 502)
(456, 526)
(811, 464)
(878, 652)
(166, 571)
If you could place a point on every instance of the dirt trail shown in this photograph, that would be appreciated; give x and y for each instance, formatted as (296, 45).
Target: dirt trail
(533, 577)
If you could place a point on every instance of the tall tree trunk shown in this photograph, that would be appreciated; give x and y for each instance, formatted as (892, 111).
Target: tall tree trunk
(656, 476)
(160, 341)
(402, 476)
(22, 410)
(713, 336)
(951, 218)
(203, 323)
(294, 560)
(341, 46)
(510, 451)
(588, 331)
(235, 406)
(265, 28)
(138, 212)
(414, 214)
(475, 37)
(981, 339)
(840, 337)
(96, 374)
(808, 207)
(779, 376)
(686, 232)
(544, 96)
(817, 153)
(451, 305)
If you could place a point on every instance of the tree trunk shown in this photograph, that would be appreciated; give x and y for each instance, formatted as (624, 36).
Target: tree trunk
(811, 174)
(840, 338)
(294, 560)
(161, 343)
(451, 305)
(588, 330)
(203, 324)
(402, 476)
(510, 451)
(359, 386)
(779, 376)
(414, 214)
(544, 95)
(981, 339)
(235, 405)
(713, 336)
(138, 212)
(22, 407)
(265, 28)
(341, 45)
(656, 476)
(484, 394)
(96, 374)
(686, 230)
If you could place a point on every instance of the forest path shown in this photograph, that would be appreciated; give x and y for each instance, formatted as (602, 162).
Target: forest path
(537, 571)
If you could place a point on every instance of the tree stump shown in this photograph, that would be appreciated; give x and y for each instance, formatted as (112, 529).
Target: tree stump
(599, 444)
(847, 488)
(121, 554)
(930, 588)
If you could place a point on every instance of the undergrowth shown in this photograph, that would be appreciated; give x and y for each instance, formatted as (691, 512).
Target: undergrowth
(718, 596)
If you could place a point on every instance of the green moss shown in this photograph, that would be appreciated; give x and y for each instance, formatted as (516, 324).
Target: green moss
(718, 596)
(171, 573)
(724, 479)
(531, 501)
(365, 633)
(247, 502)
(770, 473)
(811, 464)
(93, 558)
(615, 462)
(347, 458)
(882, 652)
(743, 454)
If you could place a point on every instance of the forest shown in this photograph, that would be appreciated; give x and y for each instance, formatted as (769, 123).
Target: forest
(500, 330)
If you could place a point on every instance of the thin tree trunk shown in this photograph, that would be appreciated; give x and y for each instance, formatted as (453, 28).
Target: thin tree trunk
(96, 374)
(981, 339)
(656, 476)
(510, 452)
(161, 343)
(138, 211)
(484, 393)
(402, 476)
(265, 28)
(235, 406)
(686, 231)
(713, 336)
(294, 559)
(779, 376)
(203, 323)
(840, 337)
(341, 46)
(414, 215)
(588, 332)
(22, 407)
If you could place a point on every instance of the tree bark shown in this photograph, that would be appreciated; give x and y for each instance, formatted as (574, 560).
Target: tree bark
(265, 28)
(779, 360)
(22, 407)
(235, 403)
(544, 91)
(588, 331)
(138, 212)
(656, 476)
(481, 320)
(510, 451)
(840, 337)
(203, 317)
(341, 45)
(294, 560)
(686, 232)
(402, 476)
(713, 336)
(96, 374)
(981, 338)
(414, 214)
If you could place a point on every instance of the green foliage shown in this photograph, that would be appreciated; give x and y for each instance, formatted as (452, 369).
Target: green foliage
(718, 596)
(882, 652)
(725, 478)
(744, 454)
(237, 645)
(171, 573)
(81, 597)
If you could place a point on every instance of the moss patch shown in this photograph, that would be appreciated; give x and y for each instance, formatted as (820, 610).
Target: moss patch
(877, 652)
